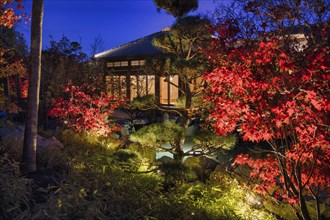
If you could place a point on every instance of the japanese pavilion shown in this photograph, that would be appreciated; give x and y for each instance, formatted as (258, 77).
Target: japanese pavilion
(126, 75)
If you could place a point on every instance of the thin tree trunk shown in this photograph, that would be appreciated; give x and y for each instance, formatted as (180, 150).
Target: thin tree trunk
(8, 95)
(318, 210)
(303, 207)
(178, 152)
(317, 202)
(31, 124)
(18, 82)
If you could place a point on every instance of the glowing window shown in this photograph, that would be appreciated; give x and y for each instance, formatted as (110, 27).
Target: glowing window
(124, 63)
(138, 62)
(116, 64)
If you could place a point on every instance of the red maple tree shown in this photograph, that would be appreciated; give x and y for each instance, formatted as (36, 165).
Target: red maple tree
(84, 109)
(271, 89)
(11, 64)
(8, 16)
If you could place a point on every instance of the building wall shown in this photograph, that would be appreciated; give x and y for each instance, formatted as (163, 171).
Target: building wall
(127, 79)
(142, 85)
(169, 93)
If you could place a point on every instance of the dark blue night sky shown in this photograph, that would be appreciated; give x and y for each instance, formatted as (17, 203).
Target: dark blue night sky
(116, 21)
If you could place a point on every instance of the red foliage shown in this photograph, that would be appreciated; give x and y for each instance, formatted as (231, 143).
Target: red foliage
(84, 110)
(10, 63)
(8, 17)
(273, 93)
(24, 86)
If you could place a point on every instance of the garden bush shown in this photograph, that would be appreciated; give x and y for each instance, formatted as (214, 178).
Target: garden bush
(146, 153)
(235, 197)
(15, 189)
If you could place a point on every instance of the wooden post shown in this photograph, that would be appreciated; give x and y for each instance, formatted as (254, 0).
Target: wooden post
(128, 82)
(168, 90)
(157, 89)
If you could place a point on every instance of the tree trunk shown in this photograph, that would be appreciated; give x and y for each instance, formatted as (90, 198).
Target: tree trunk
(318, 211)
(31, 124)
(18, 82)
(178, 152)
(303, 207)
(317, 202)
(9, 100)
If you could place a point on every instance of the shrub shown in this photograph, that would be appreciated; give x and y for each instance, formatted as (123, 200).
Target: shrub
(195, 165)
(157, 135)
(15, 190)
(144, 102)
(174, 173)
(52, 158)
(127, 160)
(146, 153)
(236, 197)
(85, 110)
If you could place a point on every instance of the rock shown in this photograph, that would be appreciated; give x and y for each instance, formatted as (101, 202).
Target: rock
(123, 122)
(3, 114)
(14, 135)
(126, 127)
(141, 121)
(52, 124)
(124, 131)
(191, 130)
(194, 121)
(48, 143)
(208, 163)
(165, 159)
(166, 117)
(115, 136)
(12, 131)
(203, 166)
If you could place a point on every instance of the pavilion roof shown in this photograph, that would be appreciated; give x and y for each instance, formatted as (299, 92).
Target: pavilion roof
(140, 47)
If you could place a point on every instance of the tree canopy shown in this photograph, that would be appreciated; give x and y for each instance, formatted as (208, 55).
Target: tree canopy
(177, 8)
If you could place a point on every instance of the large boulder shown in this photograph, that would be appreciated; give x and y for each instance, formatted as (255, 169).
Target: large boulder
(14, 135)
(126, 127)
(203, 166)
(165, 159)
(49, 142)
(141, 121)
(191, 130)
